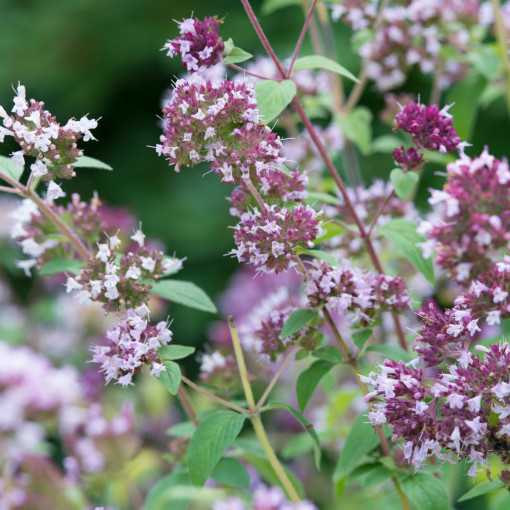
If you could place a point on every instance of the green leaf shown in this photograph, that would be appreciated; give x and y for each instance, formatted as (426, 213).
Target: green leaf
(357, 127)
(230, 471)
(392, 352)
(7, 166)
(285, 170)
(318, 254)
(427, 492)
(236, 56)
(88, 162)
(213, 436)
(306, 425)
(330, 230)
(182, 429)
(403, 235)
(302, 354)
(162, 495)
(56, 266)
(309, 379)
(328, 353)
(269, 6)
(320, 62)
(361, 440)
(385, 144)
(228, 46)
(171, 377)
(273, 97)
(376, 477)
(324, 197)
(482, 488)
(360, 337)
(466, 94)
(171, 352)
(486, 61)
(297, 319)
(403, 182)
(184, 293)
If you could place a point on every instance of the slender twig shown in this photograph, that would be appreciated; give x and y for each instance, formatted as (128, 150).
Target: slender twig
(243, 372)
(262, 36)
(50, 214)
(357, 90)
(255, 193)
(210, 395)
(6, 189)
(314, 33)
(301, 37)
(276, 376)
(503, 47)
(379, 212)
(186, 403)
(244, 71)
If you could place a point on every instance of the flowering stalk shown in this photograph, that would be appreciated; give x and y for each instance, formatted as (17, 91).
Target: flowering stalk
(503, 46)
(50, 214)
(255, 418)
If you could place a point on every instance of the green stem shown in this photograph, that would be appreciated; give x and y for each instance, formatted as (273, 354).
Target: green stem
(503, 47)
(273, 459)
(210, 395)
(186, 403)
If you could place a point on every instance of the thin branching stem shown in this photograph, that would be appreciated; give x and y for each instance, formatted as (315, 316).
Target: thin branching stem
(301, 37)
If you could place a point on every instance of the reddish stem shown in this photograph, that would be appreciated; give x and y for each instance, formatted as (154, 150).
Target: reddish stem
(301, 37)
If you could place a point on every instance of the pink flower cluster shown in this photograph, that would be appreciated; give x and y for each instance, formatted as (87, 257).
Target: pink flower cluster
(413, 35)
(474, 222)
(443, 335)
(352, 290)
(430, 128)
(264, 498)
(218, 123)
(120, 282)
(41, 136)
(199, 45)
(132, 344)
(449, 415)
(268, 238)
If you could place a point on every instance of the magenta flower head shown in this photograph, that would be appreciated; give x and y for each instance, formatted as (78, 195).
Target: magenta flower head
(409, 159)
(430, 127)
(268, 238)
(199, 44)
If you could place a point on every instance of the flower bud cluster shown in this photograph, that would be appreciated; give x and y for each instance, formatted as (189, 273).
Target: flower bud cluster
(268, 238)
(120, 282)
(199, 45)
(430, 128)
(474, 223)
(450, 415)
(131, 345)
(488, 295)
(39, 237)
(219, 370)
(218, 123)
(41, 136)
(275, 187)
(264, 498)
(443, 334)
(408, 159)
(413, 35)
(349, 289)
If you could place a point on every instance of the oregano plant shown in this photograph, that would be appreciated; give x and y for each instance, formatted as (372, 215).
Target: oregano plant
(358, 352)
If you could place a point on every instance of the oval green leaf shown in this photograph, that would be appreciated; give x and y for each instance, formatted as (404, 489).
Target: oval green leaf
(309, 379)
(297, 319)
(403, 235)
(88, 162)
(172, 352)
(213, 436)
(273, 97)
(236, 56)
(7, 166)
(230, 471)
(482, 488)
(56, 266)
(184, 293)
(171, 377)
(403, 182)
(427, 492)
(320, 62)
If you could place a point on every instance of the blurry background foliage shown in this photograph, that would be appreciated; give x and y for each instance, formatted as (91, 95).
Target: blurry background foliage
(103, 58)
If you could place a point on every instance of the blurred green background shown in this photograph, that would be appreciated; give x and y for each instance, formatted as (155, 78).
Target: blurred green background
(103, 58)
